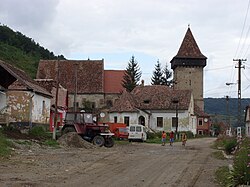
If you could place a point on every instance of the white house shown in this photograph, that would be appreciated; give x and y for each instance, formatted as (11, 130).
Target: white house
(247, 119)
(27, 102)
(156, 107)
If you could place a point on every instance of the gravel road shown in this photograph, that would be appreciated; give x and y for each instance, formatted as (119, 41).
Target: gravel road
(134, 164)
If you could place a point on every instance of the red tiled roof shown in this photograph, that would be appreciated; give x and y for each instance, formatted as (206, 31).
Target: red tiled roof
(48, 84)
(90, 74)
(20, 80)
(113, 81)
(126, 103)
(199, 112)
(189, 47)
(154, 97)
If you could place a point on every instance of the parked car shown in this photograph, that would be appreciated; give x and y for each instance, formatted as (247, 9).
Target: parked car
(137, 132)
(121, 132)
(119, 129)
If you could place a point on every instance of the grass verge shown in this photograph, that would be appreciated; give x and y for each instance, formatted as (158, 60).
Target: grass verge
(218, 155)
(222, 176)
(5, 146)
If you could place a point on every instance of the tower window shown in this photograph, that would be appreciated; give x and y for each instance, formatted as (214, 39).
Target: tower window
(190, 82)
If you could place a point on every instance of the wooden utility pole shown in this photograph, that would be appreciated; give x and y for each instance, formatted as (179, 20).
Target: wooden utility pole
(239, 87)
(56, 100)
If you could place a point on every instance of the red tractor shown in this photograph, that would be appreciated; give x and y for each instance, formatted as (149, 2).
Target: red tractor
(84, 124)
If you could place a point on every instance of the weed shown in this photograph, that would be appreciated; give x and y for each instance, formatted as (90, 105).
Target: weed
(218, 155)
(222, 176)
(51, 143)
(39, 131)
(5, 146)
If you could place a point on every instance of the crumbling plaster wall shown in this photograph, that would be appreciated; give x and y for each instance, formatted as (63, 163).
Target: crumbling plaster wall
(28, 107)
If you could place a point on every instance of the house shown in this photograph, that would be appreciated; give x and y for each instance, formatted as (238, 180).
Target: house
(247, 120)
(156, 107)
(62, 100)
(203, 122)
(28, 103)
(89, 85)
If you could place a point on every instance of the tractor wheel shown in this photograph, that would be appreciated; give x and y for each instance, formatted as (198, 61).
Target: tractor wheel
(68, 129)
(98, 140)
(109, 142)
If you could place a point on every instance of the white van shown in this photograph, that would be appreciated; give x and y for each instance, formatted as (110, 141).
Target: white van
(137, 132)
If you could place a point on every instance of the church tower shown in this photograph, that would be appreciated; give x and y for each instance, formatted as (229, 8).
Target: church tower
(188, 67)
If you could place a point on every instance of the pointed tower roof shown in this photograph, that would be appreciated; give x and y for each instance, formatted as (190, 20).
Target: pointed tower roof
(189, 47)
(189, 53)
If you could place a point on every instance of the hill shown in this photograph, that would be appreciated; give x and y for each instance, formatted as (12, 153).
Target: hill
(217, 108)
(22, 51)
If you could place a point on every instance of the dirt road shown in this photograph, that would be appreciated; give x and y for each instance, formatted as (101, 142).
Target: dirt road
(135, 164)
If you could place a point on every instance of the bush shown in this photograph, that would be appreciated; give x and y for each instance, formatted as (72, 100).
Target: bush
(154, 135)
(230, 145)
(241, 171)
(222, 175)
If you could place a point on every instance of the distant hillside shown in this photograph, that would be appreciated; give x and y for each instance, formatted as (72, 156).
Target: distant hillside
(21, 51)
(217, 107)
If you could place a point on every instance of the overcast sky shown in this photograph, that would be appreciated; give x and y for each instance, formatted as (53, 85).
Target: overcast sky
(114, 30)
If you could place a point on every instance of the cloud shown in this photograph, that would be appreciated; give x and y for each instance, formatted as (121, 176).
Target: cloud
(149, 29)
(28, 14)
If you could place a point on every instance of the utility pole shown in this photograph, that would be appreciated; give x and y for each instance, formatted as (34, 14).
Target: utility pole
(56, 99)
(228, 118)
(239, 87)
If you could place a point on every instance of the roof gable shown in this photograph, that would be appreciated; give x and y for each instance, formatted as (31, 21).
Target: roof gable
(19, 79)
(126, 103)
(89, 74)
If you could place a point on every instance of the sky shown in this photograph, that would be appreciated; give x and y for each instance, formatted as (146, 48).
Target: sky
(151, 30)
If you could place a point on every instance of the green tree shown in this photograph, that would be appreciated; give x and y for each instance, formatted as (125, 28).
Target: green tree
(166, 76)
(157, 75)
(132, 75)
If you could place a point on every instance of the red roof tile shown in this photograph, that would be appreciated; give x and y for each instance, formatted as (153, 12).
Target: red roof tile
(113, 81)
(153, 97)
(90, 74)
(126, 103)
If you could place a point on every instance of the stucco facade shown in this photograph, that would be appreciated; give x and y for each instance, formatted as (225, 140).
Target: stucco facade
(28, 107)
(2, 100)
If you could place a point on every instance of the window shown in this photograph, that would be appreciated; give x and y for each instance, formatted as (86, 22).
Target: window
(132, 129)
(159, 121)
(146, 101)
(115, 119)
(174, 122)
(138, 129)
(43, 108)
(126, 120)
(200, 122)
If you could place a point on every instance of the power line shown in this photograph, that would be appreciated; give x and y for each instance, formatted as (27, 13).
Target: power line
(243, 28)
